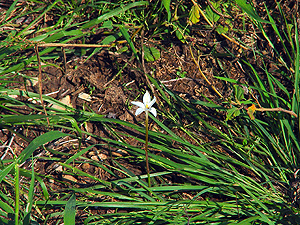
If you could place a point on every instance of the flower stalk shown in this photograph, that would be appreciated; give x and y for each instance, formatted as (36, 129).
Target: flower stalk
(17, 195)
(146, 106)
(146, 148)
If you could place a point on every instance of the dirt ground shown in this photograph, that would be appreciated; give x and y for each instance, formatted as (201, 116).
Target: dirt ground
(111, 96)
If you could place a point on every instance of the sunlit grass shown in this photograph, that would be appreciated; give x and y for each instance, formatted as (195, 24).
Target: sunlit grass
(244, 170)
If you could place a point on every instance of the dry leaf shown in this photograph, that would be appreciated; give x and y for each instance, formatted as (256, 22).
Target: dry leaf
(251, 111)
(66, 101)
(85, 96)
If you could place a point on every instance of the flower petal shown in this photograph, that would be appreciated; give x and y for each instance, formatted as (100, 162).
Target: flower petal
(139, 104)
(146, 98)
(153, 111)
(152, 102)
(139, 111)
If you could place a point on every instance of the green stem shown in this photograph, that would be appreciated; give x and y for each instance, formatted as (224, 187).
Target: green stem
(17, 189)
(146, 149)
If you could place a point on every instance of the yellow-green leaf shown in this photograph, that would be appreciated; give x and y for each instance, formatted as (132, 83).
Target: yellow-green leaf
(232, 113)
(251, 111)
(195, 14)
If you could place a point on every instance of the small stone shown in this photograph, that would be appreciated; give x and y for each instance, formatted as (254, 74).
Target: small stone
(95, 158)
(102, 156)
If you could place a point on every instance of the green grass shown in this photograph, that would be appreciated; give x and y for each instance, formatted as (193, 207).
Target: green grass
(241, 172)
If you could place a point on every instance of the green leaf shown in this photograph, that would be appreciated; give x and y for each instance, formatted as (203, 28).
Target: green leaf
(207, 104)
(250, 11)
(11, 8)
(166, 4)
(30, 198)
(6, 208)
(70, 211)
(180, 31)
(39, 38)
(228, 80)
(43, 139)
(195, 14)
(233, 112)
(126, 35)
(78, 154)
(7, 170)
(107, 25)
(239, 93)
(221, 29)
(44, 187)
(211, 15)
(113, 13)
(151, 54)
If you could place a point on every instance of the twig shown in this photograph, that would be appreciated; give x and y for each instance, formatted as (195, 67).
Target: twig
(216, 11)
(40, 83)
(8, 147)
(6, 151)
(181, 78)
(143, 64)
(131, 82)
(277, 110)
(65, 60)
(173, 80)
(202, 74)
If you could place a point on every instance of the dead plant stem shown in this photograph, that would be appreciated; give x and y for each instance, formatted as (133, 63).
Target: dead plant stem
(202, 74)
(40, 82)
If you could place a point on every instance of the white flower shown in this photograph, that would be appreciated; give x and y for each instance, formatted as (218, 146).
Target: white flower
(146, 105)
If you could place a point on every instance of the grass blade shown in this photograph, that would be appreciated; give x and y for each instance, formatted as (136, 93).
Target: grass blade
(70, 211)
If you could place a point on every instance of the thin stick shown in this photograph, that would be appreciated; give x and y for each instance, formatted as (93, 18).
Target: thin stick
(276, 110)
(65, 60)
(216, 11)
(146, 149)
(202, 74)
(17, 196)
(40, 82)
(143, 64)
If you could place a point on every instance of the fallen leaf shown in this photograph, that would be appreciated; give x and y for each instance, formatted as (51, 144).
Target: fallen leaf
(85, 96)
(66, 101)
(69, 177)
(251, 111)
